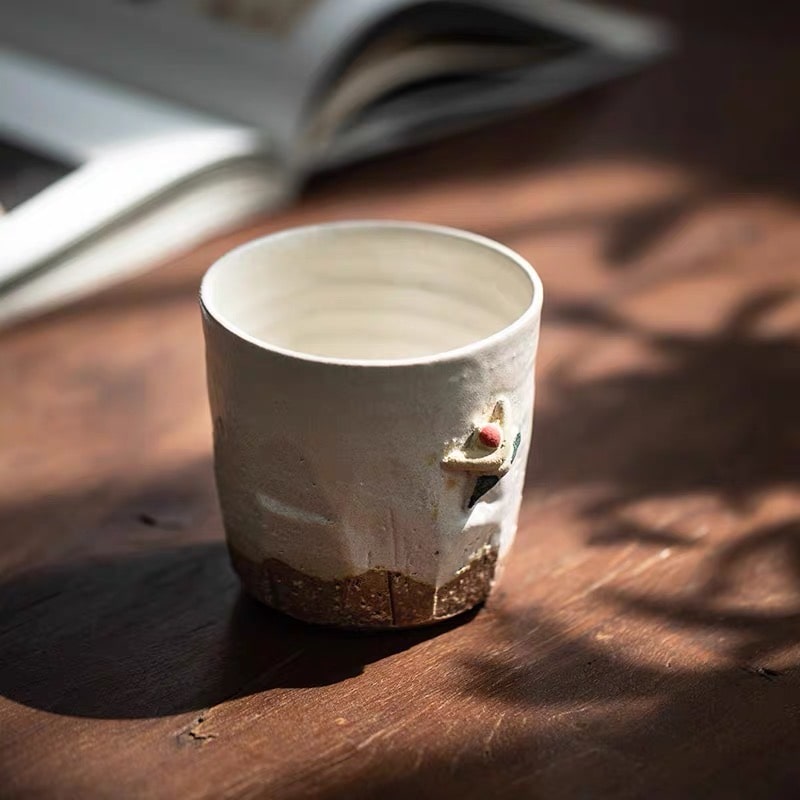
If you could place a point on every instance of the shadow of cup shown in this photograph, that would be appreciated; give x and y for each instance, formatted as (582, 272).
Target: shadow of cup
(161, 633)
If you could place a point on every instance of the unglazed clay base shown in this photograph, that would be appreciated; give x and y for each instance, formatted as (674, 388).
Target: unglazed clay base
(374, 599)
(371, 389)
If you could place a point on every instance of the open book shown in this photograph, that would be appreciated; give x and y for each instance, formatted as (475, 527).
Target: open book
(163, 122)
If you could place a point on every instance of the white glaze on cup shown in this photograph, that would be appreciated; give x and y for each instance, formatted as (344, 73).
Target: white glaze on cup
(347, 364)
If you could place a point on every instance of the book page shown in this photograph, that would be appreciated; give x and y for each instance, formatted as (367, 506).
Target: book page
(246, 61)
(266, 64)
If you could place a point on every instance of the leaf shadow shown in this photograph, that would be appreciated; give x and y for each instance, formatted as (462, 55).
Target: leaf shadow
(712, 414)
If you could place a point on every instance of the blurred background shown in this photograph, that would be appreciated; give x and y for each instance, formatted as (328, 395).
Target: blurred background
(134, 131)
(645, 641)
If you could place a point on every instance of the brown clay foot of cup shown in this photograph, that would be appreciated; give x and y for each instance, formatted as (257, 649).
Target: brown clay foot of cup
(374, 599)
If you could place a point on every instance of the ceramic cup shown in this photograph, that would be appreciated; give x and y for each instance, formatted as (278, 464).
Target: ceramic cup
(371, 387)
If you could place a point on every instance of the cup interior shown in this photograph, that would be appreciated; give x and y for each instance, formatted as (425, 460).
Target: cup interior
(369, 291)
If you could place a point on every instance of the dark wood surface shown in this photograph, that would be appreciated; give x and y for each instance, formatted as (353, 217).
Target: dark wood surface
(645, 640)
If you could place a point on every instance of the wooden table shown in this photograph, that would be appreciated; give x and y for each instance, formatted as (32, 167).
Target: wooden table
(644, 640)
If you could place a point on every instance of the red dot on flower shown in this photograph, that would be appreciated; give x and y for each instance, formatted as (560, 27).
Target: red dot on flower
(490, 436)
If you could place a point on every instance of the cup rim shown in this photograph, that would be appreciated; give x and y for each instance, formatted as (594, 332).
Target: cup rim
(532, 311)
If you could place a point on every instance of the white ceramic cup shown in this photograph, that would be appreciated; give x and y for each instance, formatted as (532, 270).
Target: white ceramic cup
(371, 387)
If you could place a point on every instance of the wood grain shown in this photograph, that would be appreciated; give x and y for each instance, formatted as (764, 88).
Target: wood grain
(644, 640)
